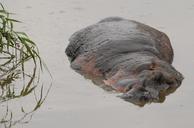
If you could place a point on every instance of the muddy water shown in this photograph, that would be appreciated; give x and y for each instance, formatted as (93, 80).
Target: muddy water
(75, 102)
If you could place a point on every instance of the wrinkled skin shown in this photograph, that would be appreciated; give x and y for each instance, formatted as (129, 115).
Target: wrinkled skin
(127, 57)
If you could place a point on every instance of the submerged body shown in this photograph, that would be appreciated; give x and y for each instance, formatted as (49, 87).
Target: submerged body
(125, 56)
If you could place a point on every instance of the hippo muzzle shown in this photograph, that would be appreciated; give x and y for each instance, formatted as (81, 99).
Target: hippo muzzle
(150, 85)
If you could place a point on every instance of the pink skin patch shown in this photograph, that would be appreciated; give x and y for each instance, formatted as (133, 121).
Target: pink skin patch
(117, 77)
(112, 80)
(87, 65)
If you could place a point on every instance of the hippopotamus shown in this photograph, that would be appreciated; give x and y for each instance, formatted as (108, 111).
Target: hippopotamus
(126, 57)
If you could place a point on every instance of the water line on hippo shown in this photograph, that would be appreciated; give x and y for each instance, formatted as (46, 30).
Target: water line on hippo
(127, 57)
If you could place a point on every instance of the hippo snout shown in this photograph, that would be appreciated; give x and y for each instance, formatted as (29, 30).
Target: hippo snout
(151, 86)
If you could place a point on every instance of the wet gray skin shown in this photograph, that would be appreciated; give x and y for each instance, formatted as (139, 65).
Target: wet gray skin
(150, 85)
(125, 56)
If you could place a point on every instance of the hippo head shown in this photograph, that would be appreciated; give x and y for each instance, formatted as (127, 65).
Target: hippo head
(152, 83)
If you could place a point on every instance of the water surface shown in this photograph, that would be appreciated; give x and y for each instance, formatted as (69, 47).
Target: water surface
(76, 102)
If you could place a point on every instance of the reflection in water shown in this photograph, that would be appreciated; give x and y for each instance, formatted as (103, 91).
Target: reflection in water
(20, 75)
(21, 109)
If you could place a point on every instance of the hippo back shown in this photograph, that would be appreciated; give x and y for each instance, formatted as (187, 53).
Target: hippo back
(114, 35)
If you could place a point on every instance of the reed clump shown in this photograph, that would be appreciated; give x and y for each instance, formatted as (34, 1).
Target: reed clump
(16, 51)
